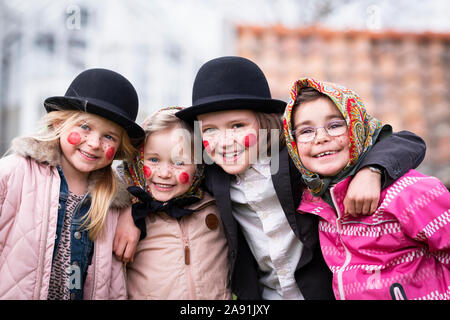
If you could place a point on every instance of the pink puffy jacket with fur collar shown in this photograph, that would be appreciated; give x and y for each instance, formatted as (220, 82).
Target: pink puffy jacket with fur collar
(29, 198)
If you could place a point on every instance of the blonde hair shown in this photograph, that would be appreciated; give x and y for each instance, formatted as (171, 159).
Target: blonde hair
(105, 188)
(166, 119)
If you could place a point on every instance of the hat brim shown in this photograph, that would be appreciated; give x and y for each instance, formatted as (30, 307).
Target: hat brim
(100, 108)
(190, 114)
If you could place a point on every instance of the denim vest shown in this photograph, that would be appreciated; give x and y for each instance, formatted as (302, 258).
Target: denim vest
(81, 247)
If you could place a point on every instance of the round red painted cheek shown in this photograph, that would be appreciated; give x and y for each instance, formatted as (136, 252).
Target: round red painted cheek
(147, 172)
(110, 153)
(184, 177)
(206, 145)
(249, 140)
(74, 138)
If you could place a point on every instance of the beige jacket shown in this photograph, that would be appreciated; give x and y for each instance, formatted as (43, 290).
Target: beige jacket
(186, 259)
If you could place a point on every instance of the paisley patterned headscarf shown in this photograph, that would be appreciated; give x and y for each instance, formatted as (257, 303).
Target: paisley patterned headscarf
(363, 130)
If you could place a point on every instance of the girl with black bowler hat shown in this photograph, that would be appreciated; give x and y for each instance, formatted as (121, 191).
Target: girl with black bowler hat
(274, 252)
(60, 198)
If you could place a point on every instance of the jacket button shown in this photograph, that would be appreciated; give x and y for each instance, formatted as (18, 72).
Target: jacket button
(211, 221)
(59, 206)
(77, 235)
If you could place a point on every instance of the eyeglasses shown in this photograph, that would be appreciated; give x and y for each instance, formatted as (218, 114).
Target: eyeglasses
(333, 128)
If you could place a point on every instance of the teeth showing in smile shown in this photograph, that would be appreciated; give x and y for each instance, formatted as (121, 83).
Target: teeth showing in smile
(161, 185)
(88, 155)
(231, 155)
(326, 153)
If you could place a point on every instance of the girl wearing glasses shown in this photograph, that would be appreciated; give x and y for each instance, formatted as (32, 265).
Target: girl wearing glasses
(402, 250)
(274, 252)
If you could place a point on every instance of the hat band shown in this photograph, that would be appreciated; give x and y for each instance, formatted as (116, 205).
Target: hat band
(225, 97)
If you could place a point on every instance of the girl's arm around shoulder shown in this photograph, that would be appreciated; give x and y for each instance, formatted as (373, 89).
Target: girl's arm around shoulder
(126, 236)
(395, 154)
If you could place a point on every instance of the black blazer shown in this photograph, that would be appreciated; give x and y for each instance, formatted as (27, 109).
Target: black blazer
(395, 154)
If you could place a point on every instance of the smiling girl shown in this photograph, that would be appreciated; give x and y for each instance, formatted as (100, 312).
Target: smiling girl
(60, 198)
(232, 142)
(400, 252)
(274, 251)
(182, 253)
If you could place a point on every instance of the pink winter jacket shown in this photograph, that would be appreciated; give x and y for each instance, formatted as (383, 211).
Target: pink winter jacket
(29, 199)
(182, 260)
(399, 252)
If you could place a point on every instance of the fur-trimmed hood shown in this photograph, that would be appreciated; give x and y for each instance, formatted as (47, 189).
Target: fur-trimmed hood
(49, 152)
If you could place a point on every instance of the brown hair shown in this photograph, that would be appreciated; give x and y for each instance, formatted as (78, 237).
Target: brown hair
(269, 121)
(308, 94)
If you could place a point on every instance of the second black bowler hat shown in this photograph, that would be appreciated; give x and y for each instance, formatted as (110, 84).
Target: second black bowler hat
(105, 93)
(230, 83)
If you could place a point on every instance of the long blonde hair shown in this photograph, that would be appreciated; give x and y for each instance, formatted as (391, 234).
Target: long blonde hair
(105, 188)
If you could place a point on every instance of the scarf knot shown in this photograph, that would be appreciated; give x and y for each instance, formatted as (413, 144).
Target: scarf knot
(146, 205)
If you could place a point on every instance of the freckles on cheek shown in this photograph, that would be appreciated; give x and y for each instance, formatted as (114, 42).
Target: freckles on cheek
(110, 153)
(184, 178)
(147, 172)
(302, 151)
(344, 142)
(249, 140)
(74, 138)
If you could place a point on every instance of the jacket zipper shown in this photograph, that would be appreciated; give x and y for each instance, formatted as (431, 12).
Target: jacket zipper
(187, 252)
(348, 255)
(187, 258)
(44, 235)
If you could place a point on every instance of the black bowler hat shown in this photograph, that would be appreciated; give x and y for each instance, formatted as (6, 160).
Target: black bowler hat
(105, 93)
(229, 83)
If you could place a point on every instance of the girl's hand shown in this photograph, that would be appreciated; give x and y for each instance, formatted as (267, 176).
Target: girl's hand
(126, 237)
(363, 193)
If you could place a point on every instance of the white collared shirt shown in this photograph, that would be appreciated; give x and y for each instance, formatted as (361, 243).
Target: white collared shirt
(274, 245)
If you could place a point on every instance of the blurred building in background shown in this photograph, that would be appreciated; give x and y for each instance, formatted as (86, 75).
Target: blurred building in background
(45, 44)
(159, 45)
(402, 77)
